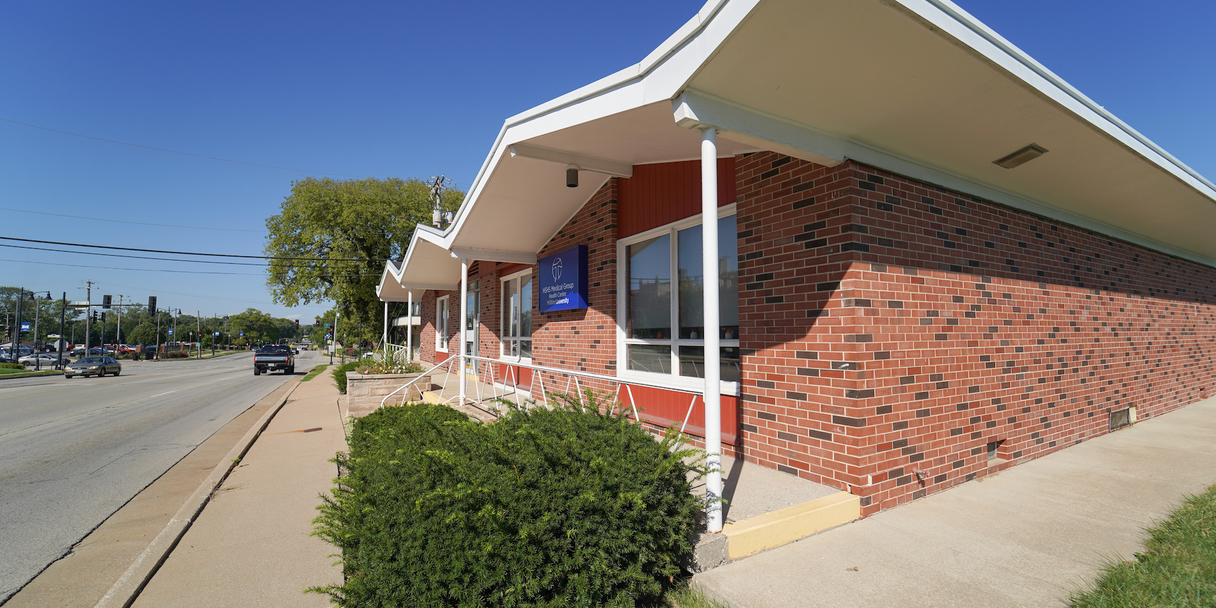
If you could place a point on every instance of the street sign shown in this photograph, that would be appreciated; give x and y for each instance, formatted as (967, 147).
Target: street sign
(217, 333)
(242, 334)
(170, 332)
(80, 304)
(25, 326)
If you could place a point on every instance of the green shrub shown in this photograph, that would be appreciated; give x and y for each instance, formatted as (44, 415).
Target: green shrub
(563, 507)
(11, 366)
(177, 354)
(339, 373)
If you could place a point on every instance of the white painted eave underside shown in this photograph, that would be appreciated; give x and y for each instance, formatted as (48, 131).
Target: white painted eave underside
(917, 87)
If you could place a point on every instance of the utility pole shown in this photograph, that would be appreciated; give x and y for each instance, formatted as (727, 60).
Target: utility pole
(14, 350)
(156, 353)
(63, 313)
(88, 317)
(37, 314)
(198, 322)
(118, 337)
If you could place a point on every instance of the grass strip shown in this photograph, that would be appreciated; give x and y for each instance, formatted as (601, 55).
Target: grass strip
(313, 373)
(1177, 567)
(16, 373)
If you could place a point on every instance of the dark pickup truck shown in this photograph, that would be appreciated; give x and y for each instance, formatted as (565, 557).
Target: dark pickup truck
(274, 357)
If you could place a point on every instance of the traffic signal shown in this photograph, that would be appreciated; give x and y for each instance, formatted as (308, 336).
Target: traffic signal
(103, 317)
(94, 316)
(152, 306)
(105, 301)
(297, 324)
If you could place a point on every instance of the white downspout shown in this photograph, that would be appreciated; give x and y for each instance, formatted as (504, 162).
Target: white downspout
(464, 304)
(409, 328)
(713, 366)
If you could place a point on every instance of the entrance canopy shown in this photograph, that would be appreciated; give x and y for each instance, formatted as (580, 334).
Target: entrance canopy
(915, 87)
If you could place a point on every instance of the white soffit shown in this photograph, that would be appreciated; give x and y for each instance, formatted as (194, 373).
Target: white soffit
(390, 289)
(428, 264)
(913, 86)
(921, 93)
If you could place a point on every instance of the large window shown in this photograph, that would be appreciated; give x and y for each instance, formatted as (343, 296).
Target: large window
(517, 316)
(663, 289)
(441, 324)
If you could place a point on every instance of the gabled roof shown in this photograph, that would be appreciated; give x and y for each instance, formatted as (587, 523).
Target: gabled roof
(916, 87)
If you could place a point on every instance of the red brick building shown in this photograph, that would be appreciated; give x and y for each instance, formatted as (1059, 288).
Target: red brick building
(935, 258)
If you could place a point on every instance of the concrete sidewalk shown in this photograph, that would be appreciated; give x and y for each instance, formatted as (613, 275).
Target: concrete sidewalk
(251, 546)
(1026, 537)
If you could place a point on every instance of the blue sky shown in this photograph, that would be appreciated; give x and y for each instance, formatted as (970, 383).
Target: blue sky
(400, 89)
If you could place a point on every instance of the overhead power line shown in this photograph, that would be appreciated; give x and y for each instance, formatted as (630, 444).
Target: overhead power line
(134, 257)
(244, 274)
(215, 255)
(191, 154)
(102, 219)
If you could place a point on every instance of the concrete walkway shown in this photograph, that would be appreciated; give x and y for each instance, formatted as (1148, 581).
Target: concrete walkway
(1026, 537)
(251, 545)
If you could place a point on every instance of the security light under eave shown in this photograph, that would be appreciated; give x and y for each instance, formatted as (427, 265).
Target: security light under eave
(572, 176)
(1021, 157)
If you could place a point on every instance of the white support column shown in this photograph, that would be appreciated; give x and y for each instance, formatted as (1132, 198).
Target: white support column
(713, 366)
(464, 304)
(384, 338)
(409, 328)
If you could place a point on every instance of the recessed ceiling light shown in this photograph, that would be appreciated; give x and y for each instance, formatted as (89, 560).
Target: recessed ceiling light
(1022, 156)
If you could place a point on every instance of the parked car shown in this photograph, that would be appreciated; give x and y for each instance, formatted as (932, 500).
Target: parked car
(47, 360)
(92, 366)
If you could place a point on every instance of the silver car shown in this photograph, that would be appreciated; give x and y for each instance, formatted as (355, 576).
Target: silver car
(93, 366)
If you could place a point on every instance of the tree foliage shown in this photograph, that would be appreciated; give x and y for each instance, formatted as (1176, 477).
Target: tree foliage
(368, 220)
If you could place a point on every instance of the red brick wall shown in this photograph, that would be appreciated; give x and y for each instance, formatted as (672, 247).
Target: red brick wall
(585, 339)
(961, 321)
(890, 329)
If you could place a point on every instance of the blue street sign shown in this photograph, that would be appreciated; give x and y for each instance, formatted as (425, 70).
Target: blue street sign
(170, 332)
(242, 334)
(217, 333)
(25, 326)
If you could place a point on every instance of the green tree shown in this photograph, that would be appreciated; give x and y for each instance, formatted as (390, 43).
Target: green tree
(368, 221)
(46, 312)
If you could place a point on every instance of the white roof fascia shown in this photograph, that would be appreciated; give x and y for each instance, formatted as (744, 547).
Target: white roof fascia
(960, 25)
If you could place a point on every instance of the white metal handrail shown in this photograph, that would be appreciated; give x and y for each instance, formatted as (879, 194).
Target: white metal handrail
(488, 363)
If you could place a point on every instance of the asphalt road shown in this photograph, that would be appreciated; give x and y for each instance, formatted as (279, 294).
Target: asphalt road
(74, 451)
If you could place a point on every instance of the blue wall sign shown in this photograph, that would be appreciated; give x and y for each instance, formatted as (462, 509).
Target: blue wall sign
(563, 280)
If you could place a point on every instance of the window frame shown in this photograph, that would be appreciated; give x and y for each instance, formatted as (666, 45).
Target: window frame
(674, 342)
(504, 353)
(441, 329)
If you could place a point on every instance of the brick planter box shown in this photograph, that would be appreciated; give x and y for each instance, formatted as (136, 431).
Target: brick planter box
(364, 392)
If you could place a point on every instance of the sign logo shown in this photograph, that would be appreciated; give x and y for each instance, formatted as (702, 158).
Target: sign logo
(557, 269)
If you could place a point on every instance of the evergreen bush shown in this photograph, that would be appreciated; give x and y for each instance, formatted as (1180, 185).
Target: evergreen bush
(562, 507)
(11, 366)
(339, 373)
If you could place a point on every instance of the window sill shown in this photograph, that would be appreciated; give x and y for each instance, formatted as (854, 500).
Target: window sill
(677, 383)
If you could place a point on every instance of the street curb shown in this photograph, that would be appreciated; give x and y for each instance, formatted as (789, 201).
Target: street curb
(126, 589)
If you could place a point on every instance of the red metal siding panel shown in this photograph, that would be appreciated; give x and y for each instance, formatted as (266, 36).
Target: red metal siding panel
(664, 193)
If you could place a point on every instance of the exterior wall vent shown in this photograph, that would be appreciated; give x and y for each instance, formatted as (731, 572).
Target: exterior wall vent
(1122, 418)
(993, 449)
